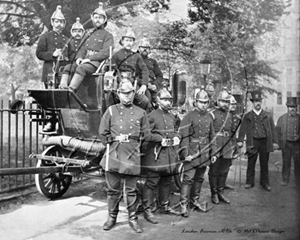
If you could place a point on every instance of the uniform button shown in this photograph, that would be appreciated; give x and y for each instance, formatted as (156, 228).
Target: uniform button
(121, 113)
(131, 120)
(131, 108)
(121, 127)
(131, 113)
(130, 127)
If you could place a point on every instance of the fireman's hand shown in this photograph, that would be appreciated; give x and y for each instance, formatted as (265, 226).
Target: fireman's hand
(275, 146)
(213, 159)
(189, 158)
(142, 89)
(176, 141)
(239, 144)
(57, 52)
(78, 61)
(152, 87)
(164, 142)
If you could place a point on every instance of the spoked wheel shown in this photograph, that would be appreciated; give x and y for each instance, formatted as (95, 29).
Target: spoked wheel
(178, 175)
(52, 185)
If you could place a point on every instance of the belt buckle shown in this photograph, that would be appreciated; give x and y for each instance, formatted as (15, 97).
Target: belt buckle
(226, 134)
(169, 142)
(124, 138)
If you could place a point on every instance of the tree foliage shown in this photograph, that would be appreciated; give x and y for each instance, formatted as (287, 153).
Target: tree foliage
(228, 32)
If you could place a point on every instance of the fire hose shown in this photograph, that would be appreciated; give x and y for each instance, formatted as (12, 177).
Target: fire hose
(92, 147)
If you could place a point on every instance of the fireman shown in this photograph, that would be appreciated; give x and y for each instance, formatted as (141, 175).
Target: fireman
(94, 50)
(130, 65)
(77, 32)
(225, 129)
(199, 150)
(123, 127)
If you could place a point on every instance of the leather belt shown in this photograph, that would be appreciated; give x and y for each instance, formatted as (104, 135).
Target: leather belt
(201, 140)
(223, 134)
(123, 138)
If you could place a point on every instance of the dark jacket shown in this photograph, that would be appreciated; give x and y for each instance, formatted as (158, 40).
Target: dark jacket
(124, 157)
(95, 46)
(247, 129)
(156, 157)
(281, 129)
(129, 61)
(155, 74)
(224, 127)
(47, 44)
(198, 135)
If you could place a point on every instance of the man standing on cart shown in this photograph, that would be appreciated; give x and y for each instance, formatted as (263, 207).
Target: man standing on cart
(94, 50)
(123, 127)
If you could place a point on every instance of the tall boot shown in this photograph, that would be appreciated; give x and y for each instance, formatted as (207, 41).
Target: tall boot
(76, 81)
(113, 209)
(213, 189)
(221, 187)
(64, 81)
(184, 199)
(132, 203)
(147, 203)
(164, 193)
(195, 196)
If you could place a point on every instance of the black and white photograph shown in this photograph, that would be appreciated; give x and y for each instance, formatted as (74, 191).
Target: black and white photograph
(150, 119)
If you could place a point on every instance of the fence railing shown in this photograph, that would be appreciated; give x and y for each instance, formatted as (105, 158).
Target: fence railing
(19, 137)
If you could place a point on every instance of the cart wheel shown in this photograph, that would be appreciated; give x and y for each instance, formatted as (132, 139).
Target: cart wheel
(178, 175)
(52, 185)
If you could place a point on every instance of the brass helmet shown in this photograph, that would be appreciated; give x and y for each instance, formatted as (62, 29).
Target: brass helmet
(100, 11)
(202, 95)
(125, 86)
(224, 95)
(232, 100)
(77, 25)
(58, 14)
(164, 94)
(145, 42)
(128, 33)
(210, 87)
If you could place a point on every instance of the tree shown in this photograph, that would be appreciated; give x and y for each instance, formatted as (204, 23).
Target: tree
(228, 32)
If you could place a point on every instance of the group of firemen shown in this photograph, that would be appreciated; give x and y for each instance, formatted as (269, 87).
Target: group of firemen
(141, 138)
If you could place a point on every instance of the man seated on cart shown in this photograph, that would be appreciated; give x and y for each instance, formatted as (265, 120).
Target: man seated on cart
(94, 50)
(130, 65)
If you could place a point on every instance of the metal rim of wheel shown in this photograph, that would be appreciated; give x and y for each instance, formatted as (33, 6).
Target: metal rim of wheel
(52, 185)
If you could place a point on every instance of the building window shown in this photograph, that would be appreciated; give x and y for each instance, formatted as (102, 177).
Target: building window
(279, 98)
(288, 93)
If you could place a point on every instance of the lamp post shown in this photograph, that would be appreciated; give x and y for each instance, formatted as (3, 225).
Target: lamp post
(205, 69)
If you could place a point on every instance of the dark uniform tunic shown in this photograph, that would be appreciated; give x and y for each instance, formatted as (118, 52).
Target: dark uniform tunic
(159, 162)
(155, 74)
(260, 145)
(95, 46)
(129, 61)
(288, 132)
(158, 158)
(224, 128)
(47, 45)
(198, 136)
(124, 159)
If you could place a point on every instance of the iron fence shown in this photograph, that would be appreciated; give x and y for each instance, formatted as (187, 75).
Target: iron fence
(19, 137)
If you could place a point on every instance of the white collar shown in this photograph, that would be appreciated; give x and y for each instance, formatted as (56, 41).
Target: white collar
(257, 112)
